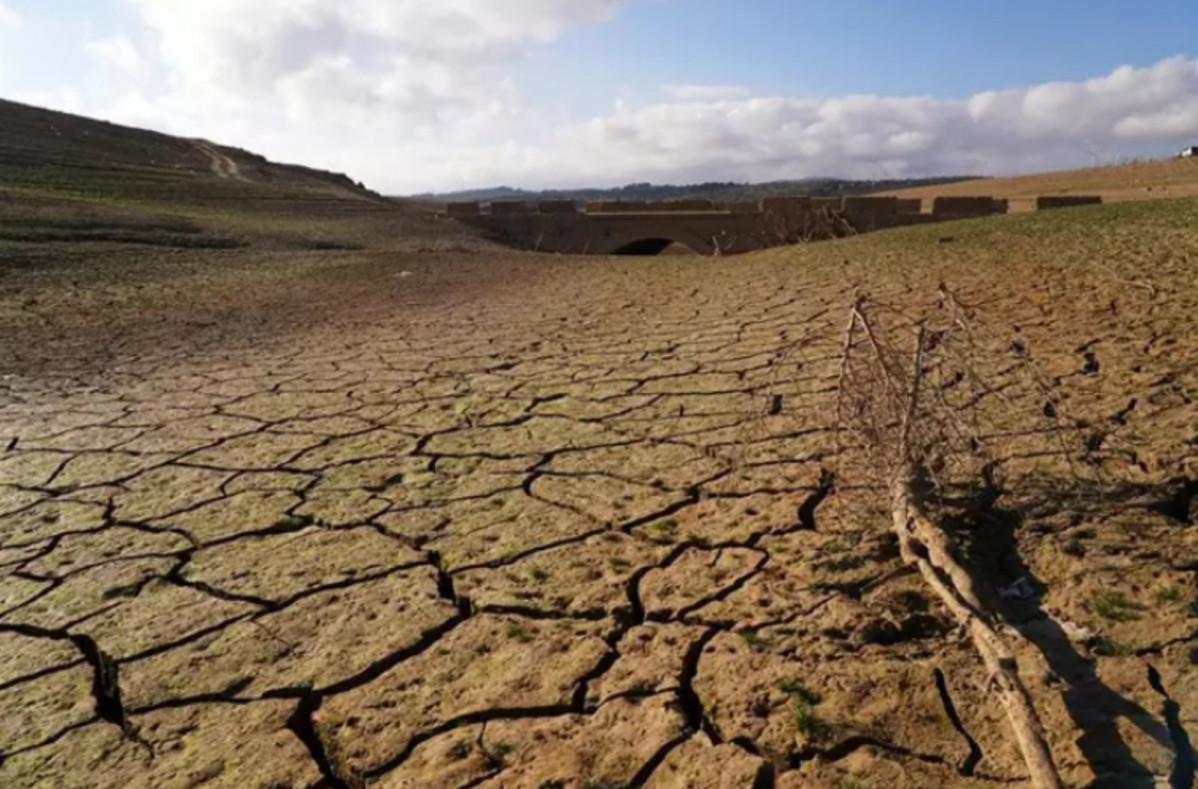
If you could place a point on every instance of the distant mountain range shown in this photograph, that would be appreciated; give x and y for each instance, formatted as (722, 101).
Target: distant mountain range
(726, 191)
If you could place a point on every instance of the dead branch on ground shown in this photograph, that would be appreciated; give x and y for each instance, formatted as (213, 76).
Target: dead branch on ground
(895, 400)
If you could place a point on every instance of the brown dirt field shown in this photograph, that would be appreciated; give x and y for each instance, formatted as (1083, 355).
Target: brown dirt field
(274, 517)
(1141, 181)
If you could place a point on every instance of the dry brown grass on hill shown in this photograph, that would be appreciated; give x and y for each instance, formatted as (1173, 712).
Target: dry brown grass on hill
(1158, 180)
(70, 180)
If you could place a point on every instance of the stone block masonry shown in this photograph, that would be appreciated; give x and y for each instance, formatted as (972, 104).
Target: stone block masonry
(963, 207)
(618, 207)
(743, 207)
(639, 227)
(463, 209)
(683, 205)
(509, 207)
(557, 207)
(879, 206)
(1066, 201)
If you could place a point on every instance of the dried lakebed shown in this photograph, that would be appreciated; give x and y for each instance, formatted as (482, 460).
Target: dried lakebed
(569, 523)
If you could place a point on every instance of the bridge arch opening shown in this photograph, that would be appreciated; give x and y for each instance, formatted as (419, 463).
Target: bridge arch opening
(654, 246)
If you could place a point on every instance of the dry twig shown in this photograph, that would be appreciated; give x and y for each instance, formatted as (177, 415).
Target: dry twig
(910, 436)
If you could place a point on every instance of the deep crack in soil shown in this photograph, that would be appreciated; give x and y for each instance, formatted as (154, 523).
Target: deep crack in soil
(523, 521)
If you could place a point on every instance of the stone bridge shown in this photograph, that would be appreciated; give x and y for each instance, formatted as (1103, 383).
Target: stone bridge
(706, 227)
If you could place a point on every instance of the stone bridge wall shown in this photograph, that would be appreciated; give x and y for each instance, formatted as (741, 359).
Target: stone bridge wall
(509, 207)
(1048, 203)
(464, 209)
(557, 207)
(707, 227)
(962, 207)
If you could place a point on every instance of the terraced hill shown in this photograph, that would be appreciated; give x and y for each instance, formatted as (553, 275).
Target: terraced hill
(68, 178)
(47, 150)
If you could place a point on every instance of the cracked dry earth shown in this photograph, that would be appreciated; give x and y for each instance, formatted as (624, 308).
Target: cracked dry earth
(570, 526)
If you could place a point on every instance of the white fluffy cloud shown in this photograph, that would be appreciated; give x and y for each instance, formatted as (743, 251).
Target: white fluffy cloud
(414, 95)
(424, 64)
(760, 138)
(8, 17)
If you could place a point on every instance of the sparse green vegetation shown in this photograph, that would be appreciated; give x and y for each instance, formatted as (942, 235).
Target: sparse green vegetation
(843, 564)
(851, 782)
(755, 640)
(1108, 647)
(807, 722)
(792, 687)
(540, 574)
(668, 526)
(517, 632)
(1168, 594)
(836, 545)
(789, 685)
(497, 753)
(1116, 607)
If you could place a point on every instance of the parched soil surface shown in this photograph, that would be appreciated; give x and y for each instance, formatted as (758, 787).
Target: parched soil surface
(365, 518)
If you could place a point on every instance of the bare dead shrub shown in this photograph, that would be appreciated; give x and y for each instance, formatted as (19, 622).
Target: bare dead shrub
(818, 223)
(913, 404)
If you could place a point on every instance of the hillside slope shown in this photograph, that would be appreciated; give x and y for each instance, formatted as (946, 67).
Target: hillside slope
(66, 178)
(1158, 180)
(42, 148)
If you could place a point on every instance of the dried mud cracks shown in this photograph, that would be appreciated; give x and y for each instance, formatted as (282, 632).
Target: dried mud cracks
(566, 537)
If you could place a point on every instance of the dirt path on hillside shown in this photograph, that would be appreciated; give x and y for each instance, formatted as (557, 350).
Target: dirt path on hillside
(222, 165)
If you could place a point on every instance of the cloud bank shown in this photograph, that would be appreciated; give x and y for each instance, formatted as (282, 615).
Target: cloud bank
(415, 95)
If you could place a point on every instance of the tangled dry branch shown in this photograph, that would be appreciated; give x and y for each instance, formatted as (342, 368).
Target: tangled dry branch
(909, 399)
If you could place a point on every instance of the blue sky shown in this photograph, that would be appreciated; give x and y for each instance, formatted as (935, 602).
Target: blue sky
(435, 94)
(944, 48)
